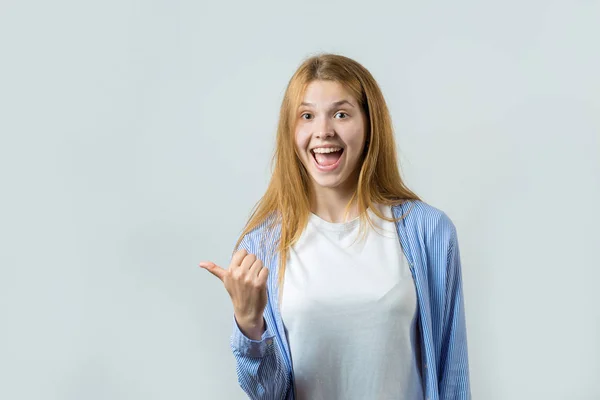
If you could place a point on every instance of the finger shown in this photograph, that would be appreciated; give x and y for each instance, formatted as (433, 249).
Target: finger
(238, 257)
(248, 261)
(255, 268)
(214, 269)
(263, 275)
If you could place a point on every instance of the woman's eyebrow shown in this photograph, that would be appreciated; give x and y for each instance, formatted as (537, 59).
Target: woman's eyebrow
(333, 105)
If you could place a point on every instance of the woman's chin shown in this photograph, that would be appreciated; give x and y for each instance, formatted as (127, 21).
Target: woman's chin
(327, 182)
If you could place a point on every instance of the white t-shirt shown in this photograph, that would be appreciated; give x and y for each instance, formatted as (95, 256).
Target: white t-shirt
(350, 313)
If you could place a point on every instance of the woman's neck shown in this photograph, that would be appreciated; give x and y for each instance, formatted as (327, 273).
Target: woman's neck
(330, 203)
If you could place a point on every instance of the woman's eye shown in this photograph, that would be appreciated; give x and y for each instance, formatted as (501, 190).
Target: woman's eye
(306, 116)
(343, 114)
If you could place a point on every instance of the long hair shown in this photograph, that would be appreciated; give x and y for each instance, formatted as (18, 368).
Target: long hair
(286, 200)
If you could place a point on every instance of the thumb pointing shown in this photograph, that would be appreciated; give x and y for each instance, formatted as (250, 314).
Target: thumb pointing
(213, 269)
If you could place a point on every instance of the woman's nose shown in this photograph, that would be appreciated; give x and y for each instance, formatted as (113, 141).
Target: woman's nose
(324, 134)
(324, 130)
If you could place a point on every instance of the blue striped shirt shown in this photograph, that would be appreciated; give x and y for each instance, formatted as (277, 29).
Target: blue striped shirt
(429, 241)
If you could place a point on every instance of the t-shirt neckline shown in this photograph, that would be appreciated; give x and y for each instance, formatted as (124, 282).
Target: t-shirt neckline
(334, 226)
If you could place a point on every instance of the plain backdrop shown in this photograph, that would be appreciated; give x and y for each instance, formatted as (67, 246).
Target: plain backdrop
(137, 136)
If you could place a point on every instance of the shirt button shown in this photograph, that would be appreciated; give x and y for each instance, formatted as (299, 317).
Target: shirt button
(269, 341)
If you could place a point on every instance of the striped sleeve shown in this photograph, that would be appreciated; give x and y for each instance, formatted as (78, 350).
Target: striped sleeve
(454, 366)
(247, 347)
(260, 369)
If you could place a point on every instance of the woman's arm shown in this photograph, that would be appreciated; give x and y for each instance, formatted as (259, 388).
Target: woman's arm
(454, 366)
(261, 371)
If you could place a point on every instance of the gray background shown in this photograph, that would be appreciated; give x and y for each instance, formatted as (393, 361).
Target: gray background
(137, 136)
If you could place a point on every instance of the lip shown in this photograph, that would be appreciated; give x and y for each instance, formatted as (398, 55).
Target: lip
(328, 168)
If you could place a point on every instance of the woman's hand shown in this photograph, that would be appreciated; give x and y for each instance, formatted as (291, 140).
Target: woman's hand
(246, 282)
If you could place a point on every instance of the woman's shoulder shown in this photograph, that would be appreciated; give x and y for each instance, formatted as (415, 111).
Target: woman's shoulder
(263, 235)
(425, 219)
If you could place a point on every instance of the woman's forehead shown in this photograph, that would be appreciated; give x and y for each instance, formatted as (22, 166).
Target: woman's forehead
(320, 93)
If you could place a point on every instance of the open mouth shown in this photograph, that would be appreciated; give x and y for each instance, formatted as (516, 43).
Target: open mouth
(327, 159)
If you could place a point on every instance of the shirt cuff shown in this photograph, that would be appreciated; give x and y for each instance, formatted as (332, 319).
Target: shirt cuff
(249, 347)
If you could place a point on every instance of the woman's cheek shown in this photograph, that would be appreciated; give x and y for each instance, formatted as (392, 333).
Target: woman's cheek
(302, 141)
(301, 144)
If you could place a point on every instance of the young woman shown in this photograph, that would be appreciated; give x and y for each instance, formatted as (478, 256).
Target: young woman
(345, 285)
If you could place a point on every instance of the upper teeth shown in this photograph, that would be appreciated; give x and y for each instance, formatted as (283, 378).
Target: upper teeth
(326, 149)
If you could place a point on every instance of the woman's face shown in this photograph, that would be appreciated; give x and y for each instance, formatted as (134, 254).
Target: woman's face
(330, 135)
